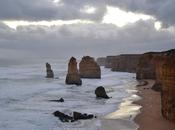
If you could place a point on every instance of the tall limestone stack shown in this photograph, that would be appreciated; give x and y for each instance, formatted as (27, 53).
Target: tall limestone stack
(146, 67)
(73, 76)
(49, 71)
(89, 68)
(168, 88)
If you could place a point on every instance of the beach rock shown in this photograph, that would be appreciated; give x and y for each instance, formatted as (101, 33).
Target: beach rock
(73, 76)
(125, 63)
(101, 93)
(101, 61)
(49, 71)
(80, 116)
(76, 116)
(88, 68)
(63, 117)
(168, 88)
(157, 87)
(142, 83)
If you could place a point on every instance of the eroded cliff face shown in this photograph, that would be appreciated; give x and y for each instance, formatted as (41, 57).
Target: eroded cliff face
(109, 60)
(73, 76)
(158, 62)
(146, 66)
(126, 63)
(168, 88)
(88, 68)
(101, 61)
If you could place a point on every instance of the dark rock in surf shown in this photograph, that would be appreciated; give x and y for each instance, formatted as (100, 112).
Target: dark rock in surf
(49, 71)
(76, 116)
(101, 93)
(60, 100)
(63, 117)
(80, 116)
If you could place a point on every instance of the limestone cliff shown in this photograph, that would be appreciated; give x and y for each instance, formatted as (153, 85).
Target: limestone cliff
(146, 67)
(101, 61)
(126, 63)
(168, 88)
(88, 68)
(73, 76)
(109, 60)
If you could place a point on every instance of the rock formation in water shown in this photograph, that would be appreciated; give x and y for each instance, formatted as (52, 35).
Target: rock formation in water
(73, 76)
(101, 93)
(125, 63)
(101, 61)
(88, 68)
(59, 100)
(168, 88)
(49, 71)
(76, 116)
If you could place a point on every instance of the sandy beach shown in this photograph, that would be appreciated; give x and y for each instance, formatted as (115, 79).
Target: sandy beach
(150, 117)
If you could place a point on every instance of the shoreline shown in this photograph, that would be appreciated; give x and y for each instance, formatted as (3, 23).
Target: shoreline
(123, 117)
(150, 117)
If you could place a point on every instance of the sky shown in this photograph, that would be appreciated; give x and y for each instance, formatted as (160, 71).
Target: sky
(63, 28)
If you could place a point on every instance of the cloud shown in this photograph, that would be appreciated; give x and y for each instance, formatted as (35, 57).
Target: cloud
(38, 10)
(163, 10)
(83, 39)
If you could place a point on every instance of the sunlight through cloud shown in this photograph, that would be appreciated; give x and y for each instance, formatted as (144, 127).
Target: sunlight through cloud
(88, 9)
(121, 18)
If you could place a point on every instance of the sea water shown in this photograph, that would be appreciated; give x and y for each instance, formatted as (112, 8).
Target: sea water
(25, 95)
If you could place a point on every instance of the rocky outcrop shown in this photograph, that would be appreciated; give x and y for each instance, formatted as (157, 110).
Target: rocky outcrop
(63, 117)
(49, 71)
(168, 88)
(59, 100)
(73, 76)
(101, 61)
(88, 68)
(80, 116)
(76, 116)
(125, 63)
(101, 93)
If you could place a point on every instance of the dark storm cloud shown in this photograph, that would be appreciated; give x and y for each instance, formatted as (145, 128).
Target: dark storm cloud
(35, 10)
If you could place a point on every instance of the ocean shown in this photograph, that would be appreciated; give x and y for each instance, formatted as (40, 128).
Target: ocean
(25, 95)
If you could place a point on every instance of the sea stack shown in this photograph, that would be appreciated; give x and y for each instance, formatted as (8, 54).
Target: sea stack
(168, 89)
(89, 68)
(73, 76)
(49, 71)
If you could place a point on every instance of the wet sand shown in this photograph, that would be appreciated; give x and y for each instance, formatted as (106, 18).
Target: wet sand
(150, 117)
